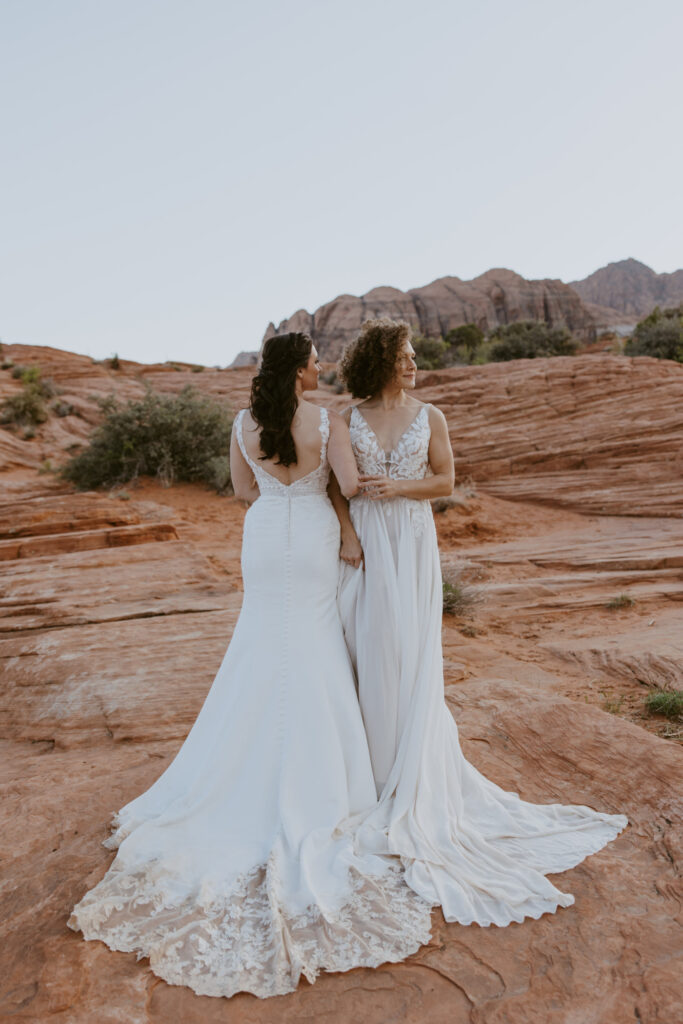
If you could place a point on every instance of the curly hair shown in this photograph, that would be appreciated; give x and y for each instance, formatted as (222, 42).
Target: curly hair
(368, 363)
(273, 399)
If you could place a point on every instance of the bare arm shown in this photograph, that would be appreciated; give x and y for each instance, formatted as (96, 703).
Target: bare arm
(243, 481)
(350, 550)
(440, 461)
(340, 456)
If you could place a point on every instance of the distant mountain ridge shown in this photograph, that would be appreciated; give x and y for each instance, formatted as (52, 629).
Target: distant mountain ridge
(619, 293)
(497, 297)
(630, 287)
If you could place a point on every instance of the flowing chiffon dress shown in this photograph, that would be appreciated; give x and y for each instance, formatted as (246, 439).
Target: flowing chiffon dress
(239, 868)
(479, 852)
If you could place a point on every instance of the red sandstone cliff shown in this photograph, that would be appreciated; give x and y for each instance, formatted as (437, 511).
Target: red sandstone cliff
(496, 297)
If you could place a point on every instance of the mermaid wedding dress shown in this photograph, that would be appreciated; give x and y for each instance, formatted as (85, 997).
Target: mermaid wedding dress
(478, 851)
(239, 869)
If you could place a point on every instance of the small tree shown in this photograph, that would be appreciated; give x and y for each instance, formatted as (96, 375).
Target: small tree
(660, 335)
(530, 339)
(465, 340)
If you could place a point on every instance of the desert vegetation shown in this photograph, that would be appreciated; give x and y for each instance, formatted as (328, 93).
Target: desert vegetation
(665, 702)
(660, 335)
(184, 437)
(27, 408)
(620, 601)
(467, 345)
(459, 597)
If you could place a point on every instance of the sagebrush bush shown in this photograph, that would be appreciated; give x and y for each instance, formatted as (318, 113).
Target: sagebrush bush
(660, 335)
(458, 596)
(62, 408)
(621, 601)
(530, 339)
(665, 702)
(184, 437)
(27, 408)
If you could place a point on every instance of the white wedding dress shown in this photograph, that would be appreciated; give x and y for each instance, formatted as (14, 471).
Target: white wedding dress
(478, 851)
(239, 869)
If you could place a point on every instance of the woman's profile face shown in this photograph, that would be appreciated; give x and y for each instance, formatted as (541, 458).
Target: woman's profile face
(406, 367)
(311, 372)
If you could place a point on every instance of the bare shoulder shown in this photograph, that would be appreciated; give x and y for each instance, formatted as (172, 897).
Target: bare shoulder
(345, 414)
(339, 420)
(436, 417)
(248, 421)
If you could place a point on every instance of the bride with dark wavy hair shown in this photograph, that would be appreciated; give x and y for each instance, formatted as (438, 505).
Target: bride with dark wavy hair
(240, 869)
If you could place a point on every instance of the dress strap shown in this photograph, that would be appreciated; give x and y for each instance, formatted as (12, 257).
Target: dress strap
(238, 426)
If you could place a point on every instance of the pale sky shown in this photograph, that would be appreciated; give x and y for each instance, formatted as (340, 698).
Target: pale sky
(177, 173)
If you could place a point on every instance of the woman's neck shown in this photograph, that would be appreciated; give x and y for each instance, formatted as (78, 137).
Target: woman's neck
(391, 398)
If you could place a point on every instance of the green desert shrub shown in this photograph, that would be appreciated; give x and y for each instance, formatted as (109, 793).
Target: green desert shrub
(62, 408)
(660, 335)
(173, 437)
(27, 408)
(467, 344)
(464, 342)
(665, 702)
(458, 596)
(530, 339)
(430, 353)
(620, 601)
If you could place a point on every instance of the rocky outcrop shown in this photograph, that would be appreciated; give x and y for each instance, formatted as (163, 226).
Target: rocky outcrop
(631, 288)
(598, 433)
(496, 297)
(244, 359)
(80, 382)
(107, 654)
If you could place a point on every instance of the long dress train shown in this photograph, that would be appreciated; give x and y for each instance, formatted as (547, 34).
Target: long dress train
(238, 869)
(478, 851)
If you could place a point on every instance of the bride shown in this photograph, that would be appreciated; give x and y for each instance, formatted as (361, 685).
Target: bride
(239, 869)
(478, 851)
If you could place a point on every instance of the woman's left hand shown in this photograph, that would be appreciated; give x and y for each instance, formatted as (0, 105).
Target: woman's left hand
(379, 488)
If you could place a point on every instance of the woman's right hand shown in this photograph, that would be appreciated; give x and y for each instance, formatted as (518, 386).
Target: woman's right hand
(351, 551)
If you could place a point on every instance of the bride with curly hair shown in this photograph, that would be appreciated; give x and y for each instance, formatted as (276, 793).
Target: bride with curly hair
(479, 852)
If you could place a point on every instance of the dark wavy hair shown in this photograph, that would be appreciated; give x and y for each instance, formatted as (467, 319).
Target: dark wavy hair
(368, 363)
(273, 399)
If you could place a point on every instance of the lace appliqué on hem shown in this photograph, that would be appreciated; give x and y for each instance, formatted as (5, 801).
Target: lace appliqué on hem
(245, 940)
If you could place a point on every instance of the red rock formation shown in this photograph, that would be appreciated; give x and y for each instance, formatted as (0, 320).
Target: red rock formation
(496, 297)
(598, 433)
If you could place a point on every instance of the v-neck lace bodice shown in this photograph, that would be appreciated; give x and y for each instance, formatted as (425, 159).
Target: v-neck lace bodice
(313, 483)
(408, 460)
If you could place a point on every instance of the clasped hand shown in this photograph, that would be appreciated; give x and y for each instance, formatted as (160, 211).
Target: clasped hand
(379, 487)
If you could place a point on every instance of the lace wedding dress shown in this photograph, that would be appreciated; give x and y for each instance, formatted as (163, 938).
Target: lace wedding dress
(480, 852)
(238, 869)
